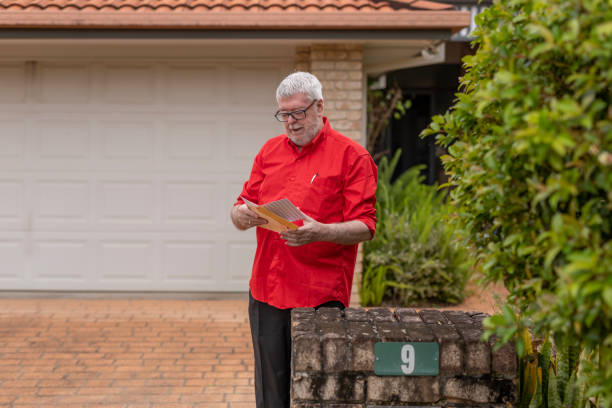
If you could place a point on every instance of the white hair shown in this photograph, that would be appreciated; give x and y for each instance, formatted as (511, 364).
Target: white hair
(300, 82)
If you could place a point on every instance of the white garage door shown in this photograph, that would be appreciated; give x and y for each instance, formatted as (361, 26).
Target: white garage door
(121, 175)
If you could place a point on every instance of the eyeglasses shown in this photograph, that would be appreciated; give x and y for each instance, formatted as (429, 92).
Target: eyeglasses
(296, 114)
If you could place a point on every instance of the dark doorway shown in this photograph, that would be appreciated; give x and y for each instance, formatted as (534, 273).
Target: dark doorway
(431, 90)
(405, 135)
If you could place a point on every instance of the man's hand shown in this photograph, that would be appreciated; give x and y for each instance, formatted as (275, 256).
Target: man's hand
(345, 233)
(243, 218)
(311, 231)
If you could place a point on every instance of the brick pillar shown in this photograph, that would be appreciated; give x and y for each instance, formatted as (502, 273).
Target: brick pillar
(333, 360)
(302, 59)
(355, 299)
(339, 67)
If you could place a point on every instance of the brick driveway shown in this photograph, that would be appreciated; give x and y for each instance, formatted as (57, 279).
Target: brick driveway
(119, 353)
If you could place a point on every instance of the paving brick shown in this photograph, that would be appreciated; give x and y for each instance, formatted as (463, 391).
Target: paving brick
(240, 397)
(19, 384)
(35, 400)
(226, 381)
(83, 399)
(219, 389)
(125, 353)
(203, 398)
(241, 405)
(98, 391)
(243, 390)
(53, 391)
(20, 391)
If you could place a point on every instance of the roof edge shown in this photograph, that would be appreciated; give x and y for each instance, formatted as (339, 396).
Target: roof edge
(379, 21)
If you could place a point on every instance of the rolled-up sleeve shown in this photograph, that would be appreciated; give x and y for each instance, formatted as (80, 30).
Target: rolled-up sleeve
(360, 192)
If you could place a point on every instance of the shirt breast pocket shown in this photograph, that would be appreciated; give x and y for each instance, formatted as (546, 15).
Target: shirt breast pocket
(325, 199)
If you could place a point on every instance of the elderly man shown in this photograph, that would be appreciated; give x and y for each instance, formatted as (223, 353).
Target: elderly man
(332, 179)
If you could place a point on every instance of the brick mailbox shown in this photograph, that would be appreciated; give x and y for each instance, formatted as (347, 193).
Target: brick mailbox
(335, 364)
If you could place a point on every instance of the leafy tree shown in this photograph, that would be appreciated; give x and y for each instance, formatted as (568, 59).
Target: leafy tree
(530, 154)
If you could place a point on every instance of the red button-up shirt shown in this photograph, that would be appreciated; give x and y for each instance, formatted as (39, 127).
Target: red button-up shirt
(332, 179)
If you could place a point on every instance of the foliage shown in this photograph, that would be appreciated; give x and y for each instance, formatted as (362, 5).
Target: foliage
(530, 154)
(412, 256)
(550, 380)
(382, 104)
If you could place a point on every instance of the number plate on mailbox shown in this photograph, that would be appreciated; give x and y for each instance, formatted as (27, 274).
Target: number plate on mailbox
(406, 359)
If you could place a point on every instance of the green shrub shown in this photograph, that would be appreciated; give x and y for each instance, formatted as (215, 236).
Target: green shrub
(412, 256)
(530, 154)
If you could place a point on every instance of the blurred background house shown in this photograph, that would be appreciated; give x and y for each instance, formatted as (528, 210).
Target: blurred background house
(128, 127)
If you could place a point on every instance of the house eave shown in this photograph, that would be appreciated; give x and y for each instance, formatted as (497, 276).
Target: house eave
(251, 35)
(452, 21)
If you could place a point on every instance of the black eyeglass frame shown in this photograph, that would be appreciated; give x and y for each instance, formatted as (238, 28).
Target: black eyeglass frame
(292, 113)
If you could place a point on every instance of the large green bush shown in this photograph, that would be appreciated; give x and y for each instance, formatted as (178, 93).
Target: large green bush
(413, 256)
(530, 154)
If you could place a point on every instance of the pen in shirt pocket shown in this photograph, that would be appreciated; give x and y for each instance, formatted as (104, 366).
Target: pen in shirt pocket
(314, 177)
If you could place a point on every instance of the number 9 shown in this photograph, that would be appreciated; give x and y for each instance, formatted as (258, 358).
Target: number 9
(407, 358)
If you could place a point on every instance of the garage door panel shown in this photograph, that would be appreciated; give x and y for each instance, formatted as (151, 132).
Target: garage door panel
(12, 83)
(12, 200)
(61, 259)
(190, 202)
(240, 254)
(62, 140)
(12, 139)
(61, 201)
(246, 89)
(233, 189)
(126, 259)
(246, 137)
(187, 84)
(64, 83)
(191, 142)
(126, 202)
(128, 140)
(190, 261)
(129, 84)
(13, 266)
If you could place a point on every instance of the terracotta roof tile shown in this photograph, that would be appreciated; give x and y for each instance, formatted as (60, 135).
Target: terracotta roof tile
(229, 5)
(233, 14)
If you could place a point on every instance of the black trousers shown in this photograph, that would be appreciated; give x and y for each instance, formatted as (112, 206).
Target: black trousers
(271, 333)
